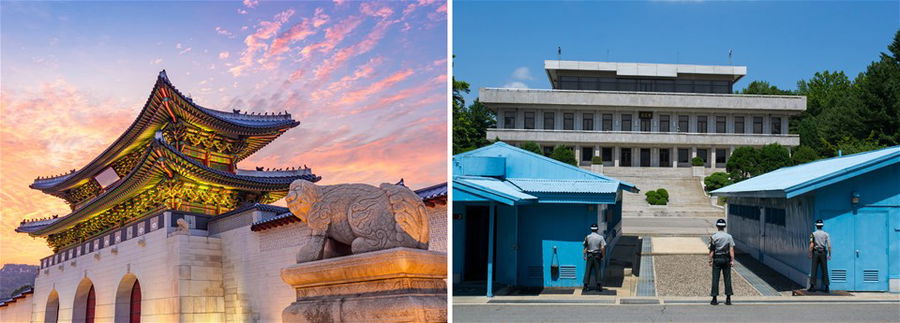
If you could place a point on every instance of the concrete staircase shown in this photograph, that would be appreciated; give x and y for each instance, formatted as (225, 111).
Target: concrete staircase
(686, 197)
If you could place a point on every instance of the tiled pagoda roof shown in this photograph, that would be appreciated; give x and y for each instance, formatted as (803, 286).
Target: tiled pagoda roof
(158, 163)
(167, 105)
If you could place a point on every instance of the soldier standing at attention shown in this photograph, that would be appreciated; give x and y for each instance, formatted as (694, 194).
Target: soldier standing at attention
(594, 250)
(721, 258)
(820, 252)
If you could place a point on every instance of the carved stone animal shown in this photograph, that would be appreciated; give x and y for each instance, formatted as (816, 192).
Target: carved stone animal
(364, 217)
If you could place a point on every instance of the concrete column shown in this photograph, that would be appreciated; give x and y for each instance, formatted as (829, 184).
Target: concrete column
(617, 121)
(784, 124)
(616, 155)
(654, 157)
(674, 157)
(596, 150)
(539, 119)
(693, 152)
(712, 157)
(576, 120)
(767, 127)
(729, 123)
(577, 155)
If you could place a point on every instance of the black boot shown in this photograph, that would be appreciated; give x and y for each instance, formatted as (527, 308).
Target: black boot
(728, 300)
(826, 290)
(599, 288)
(586, 288)
(714, 301)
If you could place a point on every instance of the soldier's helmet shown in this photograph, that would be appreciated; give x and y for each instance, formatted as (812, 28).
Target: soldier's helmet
(594, 227)
(819, 223)
(720, 223)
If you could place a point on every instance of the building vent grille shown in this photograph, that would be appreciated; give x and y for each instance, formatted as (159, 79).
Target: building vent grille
(536, 272)
(839, 276)
(870, 276)
(567, 272)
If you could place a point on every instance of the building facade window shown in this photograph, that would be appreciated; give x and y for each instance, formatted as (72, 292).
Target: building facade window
(738, 124)
(757, 124)
(625, 160)
(607, 123)
(683, 123)
(529, 120)
(606, 153)
(645, 124)
(587, 153)
(776, 125)
(720, 156)
(720, 124)
(548, 150)
(702, 126)
(568, 121)
(703, 154)
(664, 157)
(684, 155)
(509, 120)
(626, 122)
(549, 120)
(587, 121)
(664, 123)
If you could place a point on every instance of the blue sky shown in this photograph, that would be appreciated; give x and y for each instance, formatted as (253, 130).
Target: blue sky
(501, 43)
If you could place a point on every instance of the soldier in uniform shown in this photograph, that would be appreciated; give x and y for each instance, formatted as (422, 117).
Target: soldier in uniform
(594, 251)
(820, 253)
(721, 258)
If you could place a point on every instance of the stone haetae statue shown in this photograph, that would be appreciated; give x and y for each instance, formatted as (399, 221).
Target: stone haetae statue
(363, 217)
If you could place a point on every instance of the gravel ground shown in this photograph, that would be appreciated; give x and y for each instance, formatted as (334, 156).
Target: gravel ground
(689, 275)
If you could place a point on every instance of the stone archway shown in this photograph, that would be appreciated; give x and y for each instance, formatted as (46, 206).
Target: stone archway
(128, 300)
(83, 309)
(51, 311)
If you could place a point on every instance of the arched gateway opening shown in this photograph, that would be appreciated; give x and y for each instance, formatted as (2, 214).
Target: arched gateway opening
(83, 310)
(128, 300)
(51, 311)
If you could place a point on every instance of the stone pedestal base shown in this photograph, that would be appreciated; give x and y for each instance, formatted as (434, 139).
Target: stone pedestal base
(394, 285)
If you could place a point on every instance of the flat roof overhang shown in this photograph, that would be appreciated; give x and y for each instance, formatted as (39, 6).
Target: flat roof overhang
(496, 98)
(649, 70)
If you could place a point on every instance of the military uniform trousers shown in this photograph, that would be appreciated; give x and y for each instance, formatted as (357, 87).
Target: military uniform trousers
(592, 267)
(721, 263)
(819, 260)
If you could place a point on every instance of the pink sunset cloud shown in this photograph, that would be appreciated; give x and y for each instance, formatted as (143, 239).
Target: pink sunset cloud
(371, 100)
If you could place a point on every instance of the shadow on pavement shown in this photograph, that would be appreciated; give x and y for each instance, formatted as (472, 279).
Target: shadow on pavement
(777, 281)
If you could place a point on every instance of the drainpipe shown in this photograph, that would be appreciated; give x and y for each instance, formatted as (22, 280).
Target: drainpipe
(490, 260)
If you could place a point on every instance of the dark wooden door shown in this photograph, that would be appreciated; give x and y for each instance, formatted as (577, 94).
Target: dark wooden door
(136, 303)
(89, 308)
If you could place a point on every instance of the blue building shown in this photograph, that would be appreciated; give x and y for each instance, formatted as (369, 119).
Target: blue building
(858, 198)
(520, 218)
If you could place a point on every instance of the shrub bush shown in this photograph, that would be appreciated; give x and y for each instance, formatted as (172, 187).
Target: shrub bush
(697, 161)
(532, 147)
(596, 160)
(657, 197)
(564, 154)
(663, 193)
(716, 181)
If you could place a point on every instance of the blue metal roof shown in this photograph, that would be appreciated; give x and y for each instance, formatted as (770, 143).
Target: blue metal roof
(564, 185)
(491, 187)
(788, 182)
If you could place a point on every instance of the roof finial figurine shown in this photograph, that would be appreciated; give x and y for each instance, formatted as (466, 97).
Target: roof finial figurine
(236, 110)
(259, 169)
(401, 182)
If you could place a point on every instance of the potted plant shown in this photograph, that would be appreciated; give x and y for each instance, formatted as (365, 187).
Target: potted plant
(698, 164)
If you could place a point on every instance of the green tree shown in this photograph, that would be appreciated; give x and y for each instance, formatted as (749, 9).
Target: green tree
(743, 163)
(803, 155)
(763, 87)
(848, 145)
(564, 154)
(879, 97)
(716, 181)
(773, 156)
(470, 123)
(532, 147)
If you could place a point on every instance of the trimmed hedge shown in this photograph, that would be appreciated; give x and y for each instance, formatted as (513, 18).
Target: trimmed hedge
(697, 161)
(596, 160)
(658, 197)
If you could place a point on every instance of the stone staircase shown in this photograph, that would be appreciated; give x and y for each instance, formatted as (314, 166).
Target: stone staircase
(686, 196)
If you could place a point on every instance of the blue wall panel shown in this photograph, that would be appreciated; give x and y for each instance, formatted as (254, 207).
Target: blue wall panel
(545, 226)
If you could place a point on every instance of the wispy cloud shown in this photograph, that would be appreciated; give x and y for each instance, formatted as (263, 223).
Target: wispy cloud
(522, 73)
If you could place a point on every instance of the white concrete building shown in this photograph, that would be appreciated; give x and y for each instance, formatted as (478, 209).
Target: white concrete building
(642, 115)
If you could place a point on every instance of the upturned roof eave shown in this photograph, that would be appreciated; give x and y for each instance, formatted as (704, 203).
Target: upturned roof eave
(146, 171)
(153, 114)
